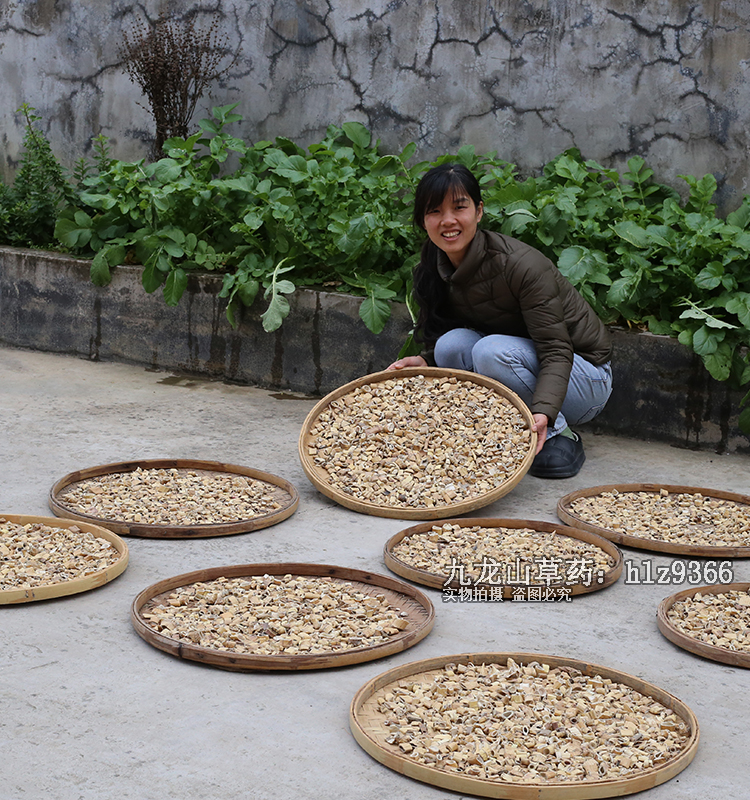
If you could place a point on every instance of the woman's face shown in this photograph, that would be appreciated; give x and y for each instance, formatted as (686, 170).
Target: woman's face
(452, 225)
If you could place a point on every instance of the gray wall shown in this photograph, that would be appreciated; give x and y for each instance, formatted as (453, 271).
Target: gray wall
(666, 79)
(47, 302)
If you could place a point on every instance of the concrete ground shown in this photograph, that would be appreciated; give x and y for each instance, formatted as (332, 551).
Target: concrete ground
(89, 711)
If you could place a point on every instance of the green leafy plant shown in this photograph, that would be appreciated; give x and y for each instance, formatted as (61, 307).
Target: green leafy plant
(28, 208)
(336, 215)
(172, 216)
(338, 212)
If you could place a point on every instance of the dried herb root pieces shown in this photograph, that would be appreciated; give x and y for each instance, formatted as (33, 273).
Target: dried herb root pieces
(521, 555)
(419, 442)
(721, 620)
(173, 497)
(679, 517)
(35, 554)
(528, 724)
(276, 615)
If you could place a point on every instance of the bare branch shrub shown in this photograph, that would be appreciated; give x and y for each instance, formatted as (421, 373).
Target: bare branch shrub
(173, 62)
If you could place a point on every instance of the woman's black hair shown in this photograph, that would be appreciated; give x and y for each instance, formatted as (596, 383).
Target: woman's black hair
(439, 182)
(430, 290)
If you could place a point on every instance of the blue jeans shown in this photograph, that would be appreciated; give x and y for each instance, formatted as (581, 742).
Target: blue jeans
(512, 360)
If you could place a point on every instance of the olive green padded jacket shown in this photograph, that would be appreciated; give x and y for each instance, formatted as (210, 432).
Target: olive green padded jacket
(505, 286)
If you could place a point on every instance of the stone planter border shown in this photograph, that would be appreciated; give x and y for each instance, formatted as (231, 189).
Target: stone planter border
(47, 302)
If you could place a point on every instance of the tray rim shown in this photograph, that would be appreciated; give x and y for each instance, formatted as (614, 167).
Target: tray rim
(436, 581)
(653, 545)
(152, 531)
(713, 652)
(437, 512)
(49, 591)
(487, 788)
(246, 662)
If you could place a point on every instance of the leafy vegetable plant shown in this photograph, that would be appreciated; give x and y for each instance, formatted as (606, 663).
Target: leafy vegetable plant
(336, 215)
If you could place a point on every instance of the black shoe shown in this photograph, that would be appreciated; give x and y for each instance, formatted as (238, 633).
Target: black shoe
(561, 457)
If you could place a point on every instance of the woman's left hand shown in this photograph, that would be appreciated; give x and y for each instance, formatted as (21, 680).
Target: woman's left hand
(540, 426)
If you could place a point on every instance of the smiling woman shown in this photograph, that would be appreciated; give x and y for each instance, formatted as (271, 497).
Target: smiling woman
(452, 223)
(494, 305)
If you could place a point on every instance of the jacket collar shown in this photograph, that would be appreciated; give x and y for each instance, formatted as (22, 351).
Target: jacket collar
(471, 261)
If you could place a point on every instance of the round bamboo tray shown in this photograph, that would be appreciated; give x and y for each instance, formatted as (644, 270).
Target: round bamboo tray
(50, 590)
(319, 478)
(367, 728)
(643, 543)
(285, 492)
(419, 613)
(722, 654)
(438, 581)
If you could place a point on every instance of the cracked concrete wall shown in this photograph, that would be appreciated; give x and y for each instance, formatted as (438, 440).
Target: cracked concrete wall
(666, 79)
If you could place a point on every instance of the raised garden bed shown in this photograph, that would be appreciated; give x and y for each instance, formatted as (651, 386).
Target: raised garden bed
(47, 302)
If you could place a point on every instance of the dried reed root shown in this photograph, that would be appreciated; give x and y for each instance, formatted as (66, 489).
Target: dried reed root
(172, 497)
(504, 555)
(275, 615)
(721, 620)
(528, 724)
(679, 518)
(35, 555)
(419, 442)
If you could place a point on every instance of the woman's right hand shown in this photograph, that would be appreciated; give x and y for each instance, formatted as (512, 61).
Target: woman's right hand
(409, 361)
